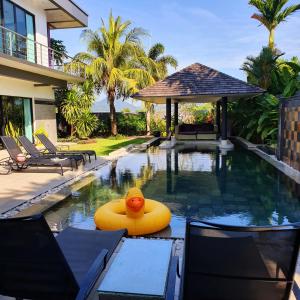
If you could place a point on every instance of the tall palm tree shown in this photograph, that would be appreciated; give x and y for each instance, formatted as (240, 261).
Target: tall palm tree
(111, 59)
(162, 62)
(271, 14)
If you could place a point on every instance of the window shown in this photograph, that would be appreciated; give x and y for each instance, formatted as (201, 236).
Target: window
(19, 21)
(16, 116)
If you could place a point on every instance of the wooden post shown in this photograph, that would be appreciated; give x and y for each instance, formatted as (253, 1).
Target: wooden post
(169, 171)
(224, 119)
(218, 116)
(168, 116)
(175, 114)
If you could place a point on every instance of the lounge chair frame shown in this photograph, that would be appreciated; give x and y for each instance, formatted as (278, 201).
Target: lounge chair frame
(35, 153)
(51, 148)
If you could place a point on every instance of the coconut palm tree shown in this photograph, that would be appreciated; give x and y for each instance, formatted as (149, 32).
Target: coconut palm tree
(111, 58)
(156, 53)
(271, 14)
(162, 62)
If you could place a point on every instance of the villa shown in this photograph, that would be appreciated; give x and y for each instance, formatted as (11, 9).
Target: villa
(198, 200)
(29, 71)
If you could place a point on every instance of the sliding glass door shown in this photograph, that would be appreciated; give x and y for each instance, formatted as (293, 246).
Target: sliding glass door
(16, 116)
(17, 20)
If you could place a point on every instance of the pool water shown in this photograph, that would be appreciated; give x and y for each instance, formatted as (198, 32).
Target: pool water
(237, 188)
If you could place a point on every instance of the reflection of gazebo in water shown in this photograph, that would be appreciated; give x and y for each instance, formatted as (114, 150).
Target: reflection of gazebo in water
(198, 84)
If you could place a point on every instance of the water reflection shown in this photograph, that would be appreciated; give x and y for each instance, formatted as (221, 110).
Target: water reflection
(233, 188)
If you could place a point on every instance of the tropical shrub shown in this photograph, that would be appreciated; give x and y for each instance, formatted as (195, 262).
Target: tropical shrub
(191, 113)
(76, 109)
(86, 124)
(131, 124)
(12, 130)
(158, 122)
(40, 130)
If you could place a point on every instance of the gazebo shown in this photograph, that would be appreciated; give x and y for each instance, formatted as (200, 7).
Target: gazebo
(198, 84)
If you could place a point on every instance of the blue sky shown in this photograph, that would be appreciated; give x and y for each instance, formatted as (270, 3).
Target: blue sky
(217, 33)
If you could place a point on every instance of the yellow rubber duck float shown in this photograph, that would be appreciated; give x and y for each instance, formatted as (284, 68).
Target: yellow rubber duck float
(138, 215)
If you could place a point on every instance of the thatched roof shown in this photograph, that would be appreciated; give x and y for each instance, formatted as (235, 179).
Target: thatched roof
(197, 83)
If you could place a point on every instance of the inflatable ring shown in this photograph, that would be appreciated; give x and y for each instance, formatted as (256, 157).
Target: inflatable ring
(139, 219)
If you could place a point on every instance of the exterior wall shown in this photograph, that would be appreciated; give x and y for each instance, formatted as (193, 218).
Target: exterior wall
(289, 132)
(43, 115)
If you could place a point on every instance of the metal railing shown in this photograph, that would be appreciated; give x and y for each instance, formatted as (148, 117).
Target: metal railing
(19, 46)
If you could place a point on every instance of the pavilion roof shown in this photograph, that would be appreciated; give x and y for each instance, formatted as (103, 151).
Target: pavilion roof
(197, 83)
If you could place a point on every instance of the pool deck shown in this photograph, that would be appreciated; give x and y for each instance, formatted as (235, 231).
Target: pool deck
(18, 188)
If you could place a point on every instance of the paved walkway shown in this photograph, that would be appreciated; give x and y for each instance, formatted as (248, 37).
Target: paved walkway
(19, 187)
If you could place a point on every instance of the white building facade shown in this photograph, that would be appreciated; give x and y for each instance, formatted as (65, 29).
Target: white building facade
(30, 70)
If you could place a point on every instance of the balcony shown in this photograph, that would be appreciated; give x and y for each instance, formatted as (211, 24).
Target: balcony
(23, 53)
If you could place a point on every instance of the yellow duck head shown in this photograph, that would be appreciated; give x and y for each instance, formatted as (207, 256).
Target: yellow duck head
(135, 203)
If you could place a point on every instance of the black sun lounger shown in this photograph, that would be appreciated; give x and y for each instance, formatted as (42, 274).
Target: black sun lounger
(36, 265)
(14, 150)
(53, 150)
(34, 152)
(233, 263)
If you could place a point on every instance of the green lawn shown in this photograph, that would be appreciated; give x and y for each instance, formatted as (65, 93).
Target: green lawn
(106, 145)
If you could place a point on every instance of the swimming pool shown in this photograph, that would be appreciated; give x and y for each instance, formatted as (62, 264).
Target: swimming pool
(238, 188)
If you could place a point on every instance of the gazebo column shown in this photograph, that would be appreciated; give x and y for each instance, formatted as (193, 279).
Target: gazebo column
(225, 143)
(175, 114)
(218, 116)
(224, 119)
(168, 116)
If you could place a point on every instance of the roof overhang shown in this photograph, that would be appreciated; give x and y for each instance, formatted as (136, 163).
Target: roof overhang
(197, 83)
(63, 14)
(194, 98)
(18, 68)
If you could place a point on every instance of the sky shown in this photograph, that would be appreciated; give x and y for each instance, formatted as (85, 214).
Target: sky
(216, 33)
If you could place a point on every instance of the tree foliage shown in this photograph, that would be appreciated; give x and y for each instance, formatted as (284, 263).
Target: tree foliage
(60, 50)
(113, 56)
(257, 119)
(76, 109)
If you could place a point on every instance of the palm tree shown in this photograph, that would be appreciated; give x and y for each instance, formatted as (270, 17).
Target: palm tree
(271, 14)
(111, 58)
(162, 62)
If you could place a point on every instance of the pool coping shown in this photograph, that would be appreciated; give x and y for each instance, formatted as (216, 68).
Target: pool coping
(272, 159)
(45, 201)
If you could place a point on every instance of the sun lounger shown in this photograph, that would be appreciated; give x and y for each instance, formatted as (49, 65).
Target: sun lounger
(34, 152)
(14, 162)
(54, 150)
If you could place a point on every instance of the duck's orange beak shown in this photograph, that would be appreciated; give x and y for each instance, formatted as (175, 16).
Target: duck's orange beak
(135, 203)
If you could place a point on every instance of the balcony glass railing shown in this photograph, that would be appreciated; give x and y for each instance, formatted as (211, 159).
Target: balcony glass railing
(19, 46)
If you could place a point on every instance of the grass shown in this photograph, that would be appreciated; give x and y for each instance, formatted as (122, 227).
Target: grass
(104, 146)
